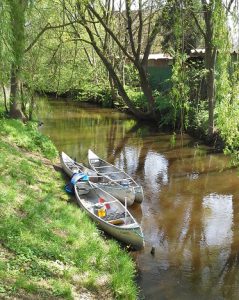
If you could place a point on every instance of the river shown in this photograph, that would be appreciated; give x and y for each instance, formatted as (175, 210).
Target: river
(190, 213)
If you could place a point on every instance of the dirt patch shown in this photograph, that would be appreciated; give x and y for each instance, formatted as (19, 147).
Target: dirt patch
(83, 294)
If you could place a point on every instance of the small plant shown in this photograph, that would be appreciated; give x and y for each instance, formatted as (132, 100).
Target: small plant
(173, 140)
(61, 289)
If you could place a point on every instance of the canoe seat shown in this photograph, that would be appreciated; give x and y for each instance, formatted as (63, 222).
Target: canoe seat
(116, 222)
(100, 167)
(96, 162)
(70, 164)
(114, 216)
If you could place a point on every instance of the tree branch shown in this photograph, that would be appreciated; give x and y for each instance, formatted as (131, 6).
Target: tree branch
(230, 5)
(107, 29)
(114, 76)
(198, 24)
(129, 27)
(151, 39)
(140, 29)
(40, 33)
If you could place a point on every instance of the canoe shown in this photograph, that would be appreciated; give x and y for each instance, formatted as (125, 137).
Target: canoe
(115, 174)
(71, 167)
(118, 191)
(109, 214)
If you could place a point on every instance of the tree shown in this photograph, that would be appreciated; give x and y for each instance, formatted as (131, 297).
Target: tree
(133, 40)
(21, 22)
(175, 15)
(5, 48)
(17, 22)
(210, 27)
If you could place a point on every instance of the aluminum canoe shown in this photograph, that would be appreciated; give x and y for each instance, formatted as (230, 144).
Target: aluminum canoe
(117, 221)
(115, 174)
(121, 192)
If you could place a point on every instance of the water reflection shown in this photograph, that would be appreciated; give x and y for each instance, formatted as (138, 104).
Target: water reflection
(191, 209)
(218, 208)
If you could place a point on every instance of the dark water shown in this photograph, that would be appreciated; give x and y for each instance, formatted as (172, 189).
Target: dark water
(191, 208)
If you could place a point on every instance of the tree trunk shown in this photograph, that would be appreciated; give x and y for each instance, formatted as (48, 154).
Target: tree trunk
(130, 49)
(22, 100)
(211, 101)
(113, 93)
(117, 82)
(17, 14)
(15, 110)
(5, 98)
(31, 107)
(210, 62)
(147, 90)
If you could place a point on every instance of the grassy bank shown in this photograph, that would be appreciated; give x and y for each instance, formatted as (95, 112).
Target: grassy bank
(49, 249)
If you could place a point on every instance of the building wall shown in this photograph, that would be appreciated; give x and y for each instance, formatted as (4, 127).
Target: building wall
(160, 72)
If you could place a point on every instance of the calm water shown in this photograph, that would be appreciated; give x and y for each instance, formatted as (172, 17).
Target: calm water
(191, 208)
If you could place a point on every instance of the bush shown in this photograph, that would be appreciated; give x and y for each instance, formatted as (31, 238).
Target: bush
(94, 93)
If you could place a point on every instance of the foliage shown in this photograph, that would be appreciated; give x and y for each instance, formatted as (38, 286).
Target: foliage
(131, 76)
(5, 43)
(227, 108)
(53, 52)
(137, 96)
(49, 247)
(43, 54)
(94, 93)
(223, 45)
(188, 77)
(175, 43)
(180, 89)
(119, 36)
(174, 12)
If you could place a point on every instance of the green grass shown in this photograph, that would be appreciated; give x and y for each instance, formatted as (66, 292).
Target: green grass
(49, 248)
(27, 137)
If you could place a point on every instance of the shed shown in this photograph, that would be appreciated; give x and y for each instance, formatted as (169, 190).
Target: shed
(160, 71)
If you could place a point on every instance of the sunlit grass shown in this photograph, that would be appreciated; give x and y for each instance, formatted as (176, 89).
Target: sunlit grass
(27, 136)
(48, 246)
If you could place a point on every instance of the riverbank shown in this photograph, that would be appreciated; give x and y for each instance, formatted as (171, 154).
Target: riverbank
(49, 249)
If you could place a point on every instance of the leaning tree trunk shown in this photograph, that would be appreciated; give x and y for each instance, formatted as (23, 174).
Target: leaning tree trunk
(113, 93)
(117, 82)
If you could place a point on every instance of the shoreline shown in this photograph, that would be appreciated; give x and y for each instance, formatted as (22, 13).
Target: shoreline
(49, 247)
